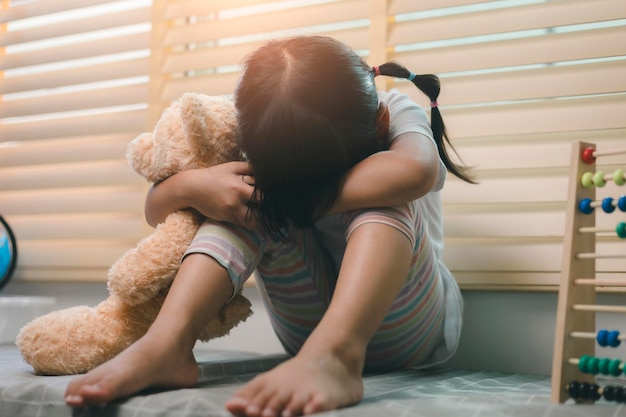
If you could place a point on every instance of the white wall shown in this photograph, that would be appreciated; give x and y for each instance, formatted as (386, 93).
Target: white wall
(503, 331)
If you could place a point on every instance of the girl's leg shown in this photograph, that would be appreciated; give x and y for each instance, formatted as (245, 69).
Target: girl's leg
(326, 373)
(163, 356)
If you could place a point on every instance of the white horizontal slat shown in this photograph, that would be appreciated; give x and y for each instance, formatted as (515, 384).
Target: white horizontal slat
(556, 47)
(88, 49)
(73, 76)
(516, 224)
(207, 57)
(504, 20)
(74, 200)
(77, 174)
(82, 148)
(523, 281)
(604, 112)
(73, 226)
(607, 136)
(81, 100)
(275, 21)
(509, 155)
(544, 83)
(222, 84)
(506, 281)
(128, 121)
(79, 26)
(74, 253)
(186, 8)
(519, 189)
(507, 190)
(514, 256)
(406, 6)
(532, 223)
(65, 274)
(40, 8)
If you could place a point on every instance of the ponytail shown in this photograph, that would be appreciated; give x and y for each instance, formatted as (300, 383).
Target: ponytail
(430, 86)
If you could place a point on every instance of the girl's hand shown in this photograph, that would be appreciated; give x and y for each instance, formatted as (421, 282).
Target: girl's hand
(220, 192)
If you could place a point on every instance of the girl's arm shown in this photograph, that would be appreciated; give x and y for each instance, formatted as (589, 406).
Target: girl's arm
(405, 172)
(218, 192)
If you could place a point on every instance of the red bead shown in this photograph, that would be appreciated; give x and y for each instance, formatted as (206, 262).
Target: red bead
(587, 156)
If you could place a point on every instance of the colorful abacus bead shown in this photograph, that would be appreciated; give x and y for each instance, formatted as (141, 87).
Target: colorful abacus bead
(608, 338)
(591, 391)
(618, 177)
(587, 180)
(620, 229)
(592, 365)
(613, 338)
(604, 366)
(588, 156)
(588, 364)
(616, 394)
(586, 391)
(573, 389)
(585, 206)
(598, 179)
(621, 203)
(615, 367)
(607, 205)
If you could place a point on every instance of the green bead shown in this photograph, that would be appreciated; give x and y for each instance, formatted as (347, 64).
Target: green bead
(618, 177)
(614, 367)
(592, 365)
(587, 180)
(583, 364)
(603, 366)
(598, 179)
(620, 229)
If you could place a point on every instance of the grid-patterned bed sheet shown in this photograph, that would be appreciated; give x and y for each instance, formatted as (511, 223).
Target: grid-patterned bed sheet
(407, 393)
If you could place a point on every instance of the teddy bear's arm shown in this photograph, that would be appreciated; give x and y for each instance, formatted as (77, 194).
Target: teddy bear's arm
(145, 270)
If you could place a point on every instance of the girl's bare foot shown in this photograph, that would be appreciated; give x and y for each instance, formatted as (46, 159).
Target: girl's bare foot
(302, 385)
(145, 364)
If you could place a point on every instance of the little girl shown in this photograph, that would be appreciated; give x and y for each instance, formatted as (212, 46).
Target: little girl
(338, 211)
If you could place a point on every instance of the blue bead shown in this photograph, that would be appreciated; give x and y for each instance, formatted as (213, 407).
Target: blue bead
(585, 206)
(613, 338)
(607, 205)
(603, 338)
(621, 203)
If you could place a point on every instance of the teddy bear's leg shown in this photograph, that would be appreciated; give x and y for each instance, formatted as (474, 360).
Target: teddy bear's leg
(151, 266)
(77, 339)
(233, 313)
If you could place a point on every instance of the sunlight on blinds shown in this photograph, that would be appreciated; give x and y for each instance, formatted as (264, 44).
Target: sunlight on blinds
(73, 92)
(522, 79)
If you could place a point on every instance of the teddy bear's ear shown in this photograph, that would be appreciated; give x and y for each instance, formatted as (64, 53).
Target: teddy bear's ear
(194, 124)
(139, 155)
(210, 127)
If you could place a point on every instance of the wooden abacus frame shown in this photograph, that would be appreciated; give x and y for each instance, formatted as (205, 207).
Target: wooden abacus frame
(577, 290)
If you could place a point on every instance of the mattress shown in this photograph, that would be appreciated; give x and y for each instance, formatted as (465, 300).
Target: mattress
(406, 393)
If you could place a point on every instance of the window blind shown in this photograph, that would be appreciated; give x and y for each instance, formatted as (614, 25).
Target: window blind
(522, 79)
(73, 92)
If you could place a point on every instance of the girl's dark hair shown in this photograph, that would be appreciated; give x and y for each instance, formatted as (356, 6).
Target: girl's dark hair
(306, 109)
(429, 85)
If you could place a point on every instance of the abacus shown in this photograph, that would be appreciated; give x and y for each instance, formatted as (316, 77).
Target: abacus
(574, 366)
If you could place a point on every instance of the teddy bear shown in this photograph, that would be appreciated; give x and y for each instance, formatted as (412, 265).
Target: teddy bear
(195, 131)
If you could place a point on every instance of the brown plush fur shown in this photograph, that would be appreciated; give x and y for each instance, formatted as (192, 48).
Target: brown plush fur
(195, 131)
